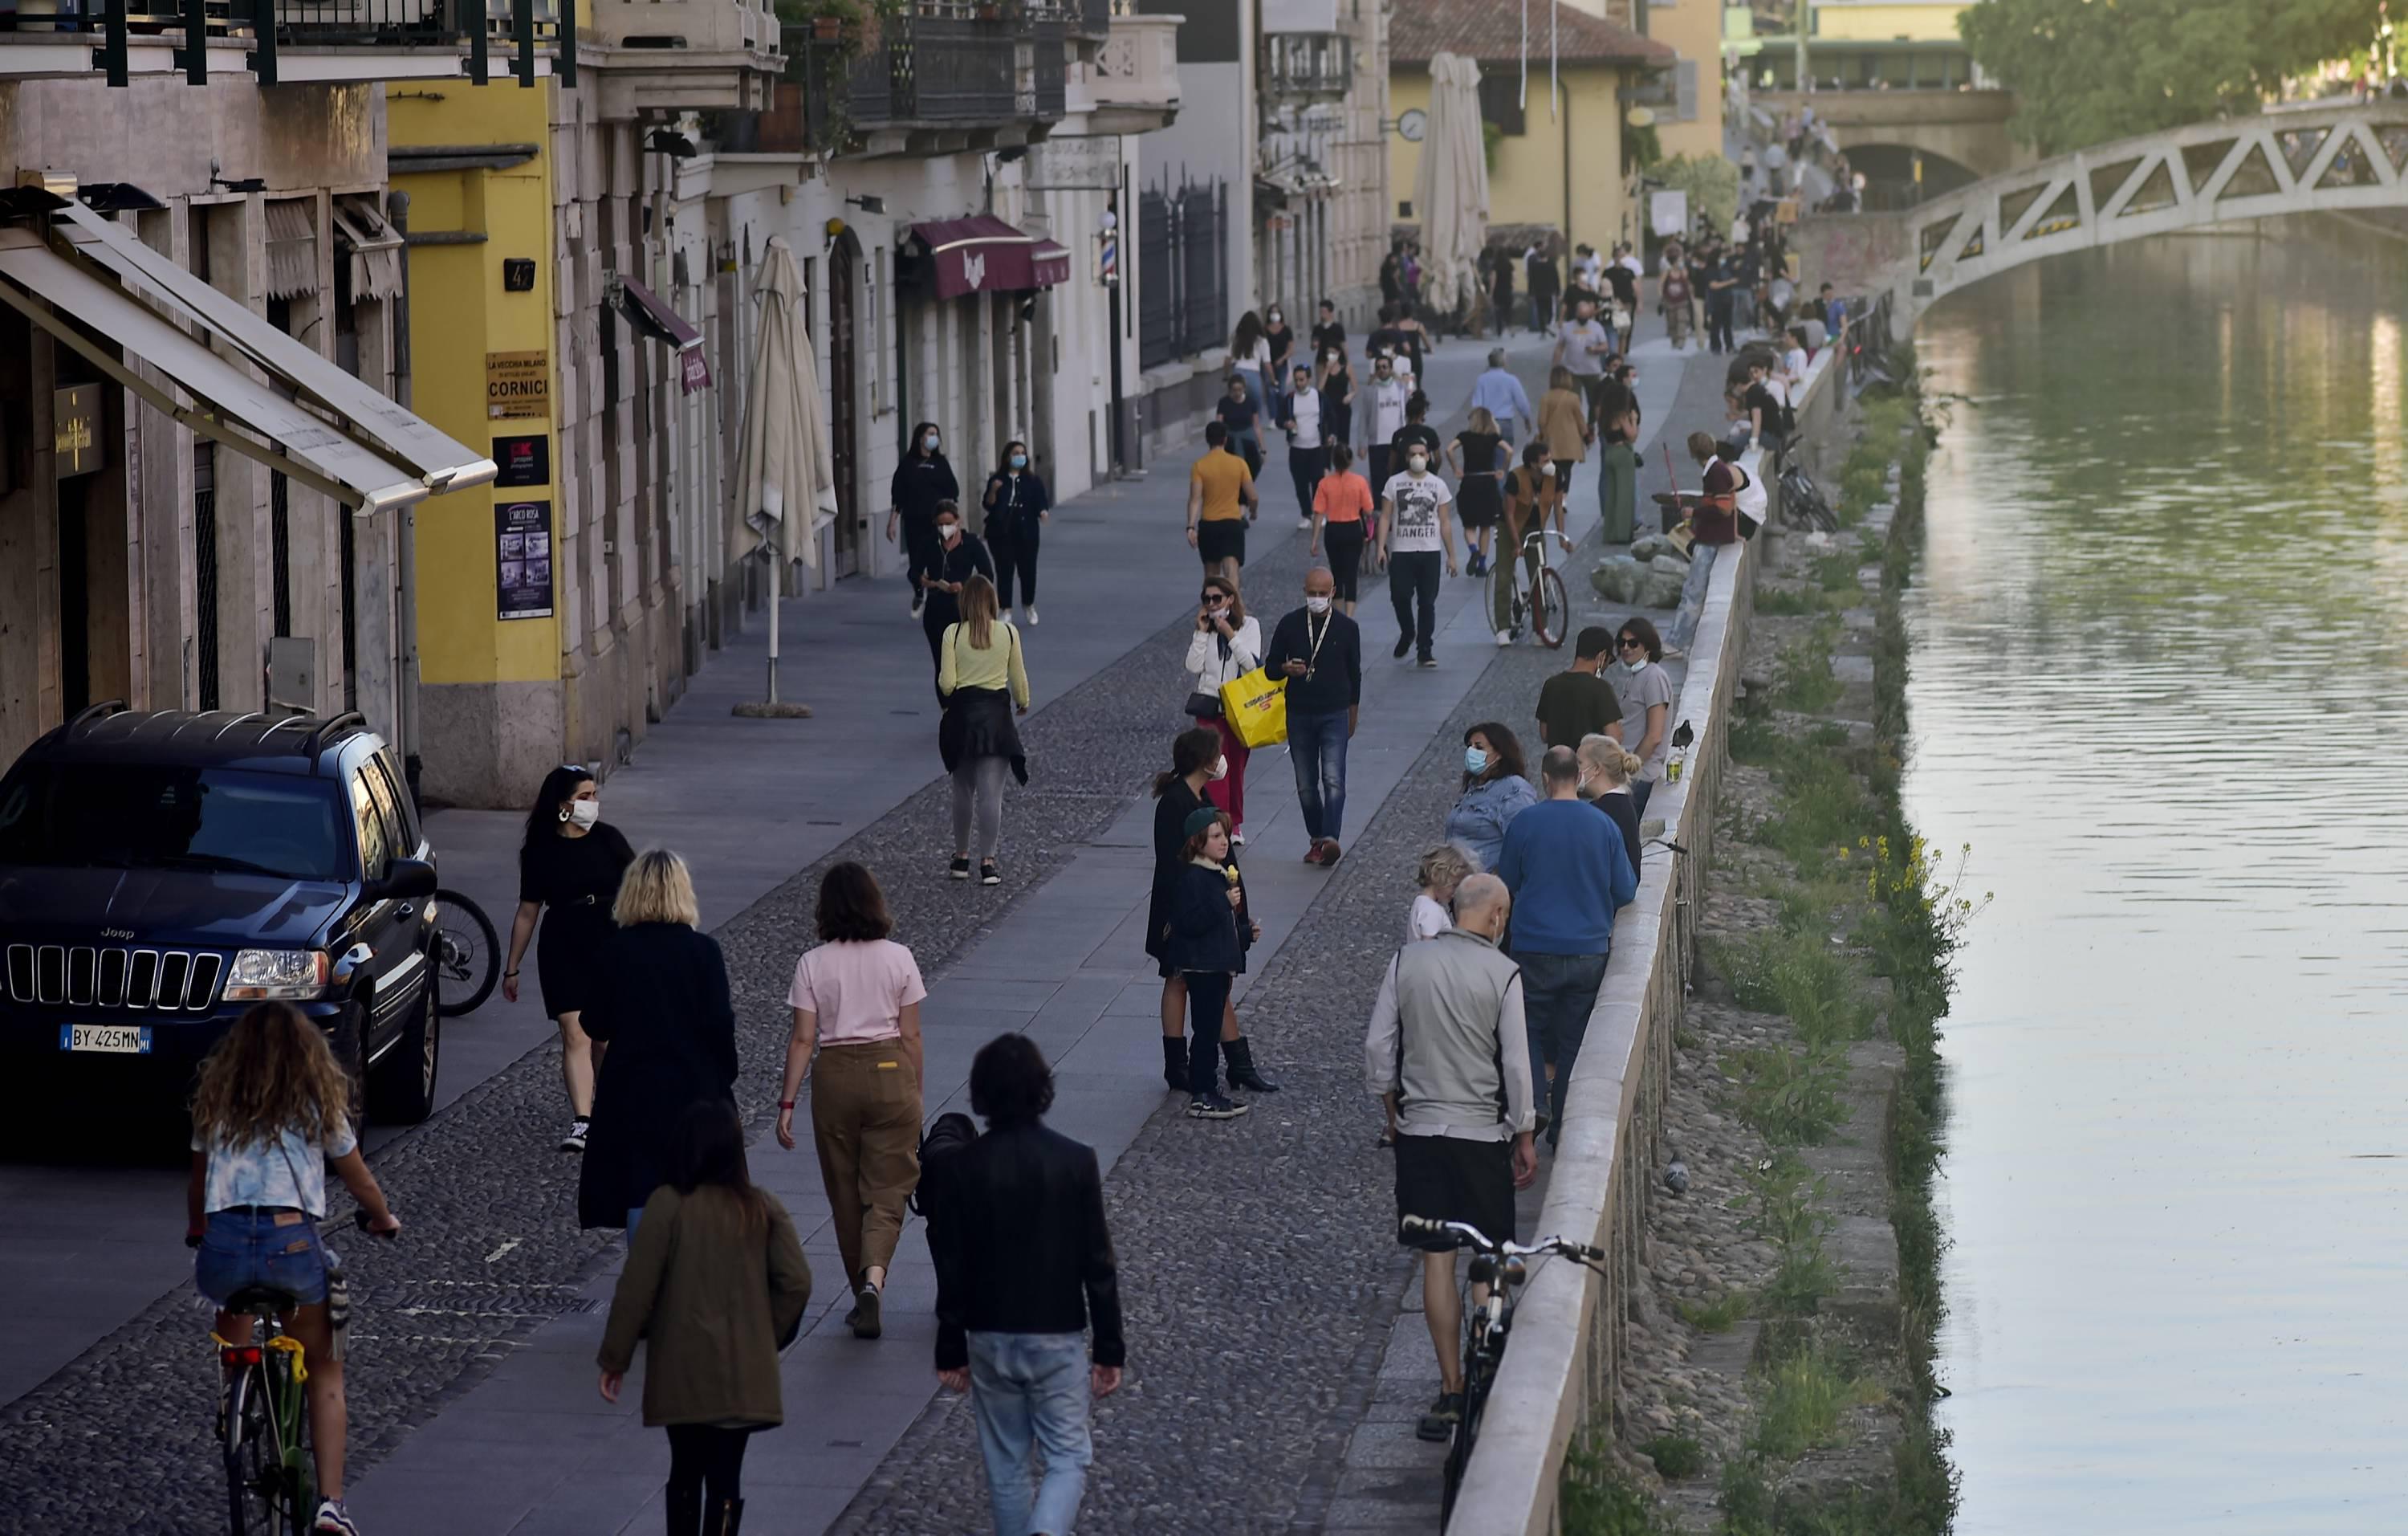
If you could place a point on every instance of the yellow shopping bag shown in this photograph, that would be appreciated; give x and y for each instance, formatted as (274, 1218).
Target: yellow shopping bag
(1256, 707)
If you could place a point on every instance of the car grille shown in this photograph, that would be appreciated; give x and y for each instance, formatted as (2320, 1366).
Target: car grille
(114, 976)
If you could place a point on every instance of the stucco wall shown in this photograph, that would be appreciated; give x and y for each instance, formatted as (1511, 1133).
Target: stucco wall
(1528, 184)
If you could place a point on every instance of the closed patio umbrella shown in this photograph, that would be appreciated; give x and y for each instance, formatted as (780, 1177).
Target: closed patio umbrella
(1450, 187)
(781, 468)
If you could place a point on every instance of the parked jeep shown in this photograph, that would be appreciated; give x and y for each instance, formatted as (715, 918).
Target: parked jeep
(162, 871)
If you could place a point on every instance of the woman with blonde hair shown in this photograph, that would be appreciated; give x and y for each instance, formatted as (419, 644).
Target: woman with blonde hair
(983, 682)
(1478, 459)
(272, 1110)
(1606, 769)
(661, 1004)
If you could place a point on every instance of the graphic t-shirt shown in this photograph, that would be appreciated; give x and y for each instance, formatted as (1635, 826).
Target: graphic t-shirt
(1413, 525)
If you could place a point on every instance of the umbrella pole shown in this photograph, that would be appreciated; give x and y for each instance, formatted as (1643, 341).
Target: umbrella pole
(771, 708)
(774, 605)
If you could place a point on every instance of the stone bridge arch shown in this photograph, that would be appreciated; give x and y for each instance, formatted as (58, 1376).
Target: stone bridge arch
(1966, 127)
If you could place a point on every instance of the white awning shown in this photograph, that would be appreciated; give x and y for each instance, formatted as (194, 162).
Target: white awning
(375, 419)
(374, 244)
(291, 249)
(228, 406)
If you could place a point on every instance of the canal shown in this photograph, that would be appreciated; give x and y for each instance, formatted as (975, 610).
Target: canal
(2159, 682)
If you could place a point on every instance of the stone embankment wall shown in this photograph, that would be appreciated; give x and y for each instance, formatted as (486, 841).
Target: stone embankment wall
(1560, 1373)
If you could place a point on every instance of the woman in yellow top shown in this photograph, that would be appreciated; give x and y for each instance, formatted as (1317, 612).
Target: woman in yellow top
(983, 682)
(1563, 426)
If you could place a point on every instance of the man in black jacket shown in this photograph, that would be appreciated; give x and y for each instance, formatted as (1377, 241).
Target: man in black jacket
(1024, 1263)
(1320, 652)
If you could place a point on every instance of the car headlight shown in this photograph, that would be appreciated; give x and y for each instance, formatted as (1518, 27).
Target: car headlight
(260, 975)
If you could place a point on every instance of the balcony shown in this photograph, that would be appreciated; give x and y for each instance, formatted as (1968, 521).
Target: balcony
(1132, 85)
(683, 55)
(311, 41)
(1307, 66)
(940, 79)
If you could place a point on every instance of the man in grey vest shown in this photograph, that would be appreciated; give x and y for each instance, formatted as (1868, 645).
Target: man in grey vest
(1448, 1048)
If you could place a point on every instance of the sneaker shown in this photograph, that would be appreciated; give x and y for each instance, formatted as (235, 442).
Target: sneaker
(1329, 852)
(1237, 840)
(1428, 663)
(333, 1520)
(1439, 1424)
(1313, 855)
(958, 870)
(1504, 639)
(1404, 644)
(865, 1319)
(918, 599)
(1212, 1106)
(986, 873)
(1303, 523)
(1031, 611)
(575, 1139)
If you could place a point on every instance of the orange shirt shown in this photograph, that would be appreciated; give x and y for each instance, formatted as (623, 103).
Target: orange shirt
(1343, 497)
(1222, 475)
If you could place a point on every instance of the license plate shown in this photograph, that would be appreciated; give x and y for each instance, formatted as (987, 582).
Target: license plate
(123, 1040)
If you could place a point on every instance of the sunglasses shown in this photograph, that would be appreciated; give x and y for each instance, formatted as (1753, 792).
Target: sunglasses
(1631, 643)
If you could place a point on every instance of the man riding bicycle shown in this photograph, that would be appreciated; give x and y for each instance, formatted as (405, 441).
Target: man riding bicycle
(271, 1112)
(1449, 1050)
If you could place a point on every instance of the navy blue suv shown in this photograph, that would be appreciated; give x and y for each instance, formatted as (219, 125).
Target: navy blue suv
(162, 871)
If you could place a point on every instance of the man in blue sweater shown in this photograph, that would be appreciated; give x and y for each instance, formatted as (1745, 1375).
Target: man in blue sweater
(1569, 872)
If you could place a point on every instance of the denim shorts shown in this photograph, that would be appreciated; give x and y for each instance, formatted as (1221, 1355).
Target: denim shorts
(243, 1248)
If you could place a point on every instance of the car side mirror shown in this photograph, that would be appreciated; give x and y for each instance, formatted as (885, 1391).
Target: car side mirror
(405, 877)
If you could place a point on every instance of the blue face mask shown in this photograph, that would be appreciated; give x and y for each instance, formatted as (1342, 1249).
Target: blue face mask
(1474, 760)
(1020, 461)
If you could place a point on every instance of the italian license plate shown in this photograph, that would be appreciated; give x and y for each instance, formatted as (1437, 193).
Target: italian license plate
(123, 1040)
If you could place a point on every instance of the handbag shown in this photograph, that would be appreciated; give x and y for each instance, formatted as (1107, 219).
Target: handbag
(1203, 706)
(1256, 707)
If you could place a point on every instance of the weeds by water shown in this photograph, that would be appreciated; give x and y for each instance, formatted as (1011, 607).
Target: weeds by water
(1676, 1456)
(1791, 1093)
(1782, 1208)
(1719, 1315)
(1804, 1395)
(1791, 602)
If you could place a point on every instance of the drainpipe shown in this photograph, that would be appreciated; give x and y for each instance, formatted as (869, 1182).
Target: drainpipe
(397, 206)
(1564, 116)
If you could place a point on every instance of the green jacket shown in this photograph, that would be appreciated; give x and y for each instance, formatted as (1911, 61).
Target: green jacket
(713, 1300)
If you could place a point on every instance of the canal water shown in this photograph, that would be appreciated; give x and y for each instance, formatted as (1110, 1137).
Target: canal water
(2159, 681)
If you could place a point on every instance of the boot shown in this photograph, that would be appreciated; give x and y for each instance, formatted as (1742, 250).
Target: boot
(727, 1519)
(1174, 1063)
(1240, 1054)
(685, 1509)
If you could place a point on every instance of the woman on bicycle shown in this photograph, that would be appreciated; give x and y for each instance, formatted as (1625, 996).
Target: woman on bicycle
(272, 1110)
(1523, 513)
(569, 866)
(715, 1282)
(856, 1003)
(661, 1005)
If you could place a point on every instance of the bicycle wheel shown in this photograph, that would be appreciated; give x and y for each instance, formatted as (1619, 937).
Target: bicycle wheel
(255, 1463)
(1466, 1431)
(1504, 593)
(468, 954)
(1551, 610)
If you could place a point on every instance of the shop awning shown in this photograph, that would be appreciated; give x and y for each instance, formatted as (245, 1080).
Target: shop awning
(651, 315)
(329, 449)
(375, 247)
(983, 255)
(372, 421)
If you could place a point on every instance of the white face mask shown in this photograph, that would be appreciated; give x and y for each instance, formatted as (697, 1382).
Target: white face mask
(1417, 462)
(1634, 664)
(948, 531)
(584, 812)
(929, 442)
(1315, 603)
(1219, 770)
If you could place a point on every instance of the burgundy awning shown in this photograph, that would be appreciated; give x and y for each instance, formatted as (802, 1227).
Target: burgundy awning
(649, 313)
(983, 255)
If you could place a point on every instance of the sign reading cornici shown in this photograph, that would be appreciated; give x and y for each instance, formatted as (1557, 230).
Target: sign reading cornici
(518, 386)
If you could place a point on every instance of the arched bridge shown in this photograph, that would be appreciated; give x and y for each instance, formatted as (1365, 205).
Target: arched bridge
(2210, 173)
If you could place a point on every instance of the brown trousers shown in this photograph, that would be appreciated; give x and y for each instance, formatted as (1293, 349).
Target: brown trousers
(865, 1124)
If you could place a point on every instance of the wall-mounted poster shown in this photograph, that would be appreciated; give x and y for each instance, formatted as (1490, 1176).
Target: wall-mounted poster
(521, 462)
(522, 559)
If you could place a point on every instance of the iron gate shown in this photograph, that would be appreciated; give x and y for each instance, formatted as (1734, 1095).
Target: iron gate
(1183, 270)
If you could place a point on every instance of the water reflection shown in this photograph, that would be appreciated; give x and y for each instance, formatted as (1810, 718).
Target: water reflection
(2160, 683)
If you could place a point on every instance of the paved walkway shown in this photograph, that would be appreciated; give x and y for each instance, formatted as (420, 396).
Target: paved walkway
(533, 1448)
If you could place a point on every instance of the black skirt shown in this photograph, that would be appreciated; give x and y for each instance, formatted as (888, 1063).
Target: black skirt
(567, 951)
(978, 723)
(1476, 503)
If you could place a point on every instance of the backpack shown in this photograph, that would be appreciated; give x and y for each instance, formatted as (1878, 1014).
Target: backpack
(1675, 288)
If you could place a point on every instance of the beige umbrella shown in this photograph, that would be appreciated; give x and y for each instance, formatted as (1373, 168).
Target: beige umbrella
(1450, 187)
(781, 468)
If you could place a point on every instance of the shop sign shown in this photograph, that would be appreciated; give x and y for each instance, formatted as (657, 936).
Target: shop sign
(518, 386)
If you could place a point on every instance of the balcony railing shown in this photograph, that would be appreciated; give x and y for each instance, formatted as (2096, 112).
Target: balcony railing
(1318, 64)
(299, 22)
(936, 69)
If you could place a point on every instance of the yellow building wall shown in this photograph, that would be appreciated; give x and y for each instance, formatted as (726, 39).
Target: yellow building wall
(1923, 23)
(458, 312)
(1694, 30)
(1526, 184)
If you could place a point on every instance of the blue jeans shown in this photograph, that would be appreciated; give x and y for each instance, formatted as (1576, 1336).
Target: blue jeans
(239, 1248)
(1557, 992)
(1316, 745)
(1692, 597)
(1032, 1388)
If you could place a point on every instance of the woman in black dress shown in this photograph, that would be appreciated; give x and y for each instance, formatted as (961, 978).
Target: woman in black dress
(1480, 471)
(1195, 761)
(661, 1004)
(571, 865)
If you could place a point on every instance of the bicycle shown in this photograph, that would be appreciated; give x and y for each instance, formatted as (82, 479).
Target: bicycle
(264, 1414)
(1498, 1266)
(1539, 599)
(467, 949)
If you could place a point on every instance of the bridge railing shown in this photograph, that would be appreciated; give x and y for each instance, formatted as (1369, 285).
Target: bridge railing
(1563, 1368)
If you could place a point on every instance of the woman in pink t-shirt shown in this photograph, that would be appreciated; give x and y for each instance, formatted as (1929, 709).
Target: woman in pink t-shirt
(856, 1001)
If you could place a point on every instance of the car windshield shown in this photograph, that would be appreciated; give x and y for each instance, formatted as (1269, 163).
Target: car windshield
(144, 816)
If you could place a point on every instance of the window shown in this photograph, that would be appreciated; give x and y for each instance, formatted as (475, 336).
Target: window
(1500, 103)
(398, 834)
(376, 849)
(138, 816)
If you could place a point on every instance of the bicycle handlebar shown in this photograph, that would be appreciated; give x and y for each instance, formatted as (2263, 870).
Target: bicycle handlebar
(1481, 1240)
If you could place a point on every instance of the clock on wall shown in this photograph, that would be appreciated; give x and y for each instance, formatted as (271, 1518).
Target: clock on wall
(1413, 124)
